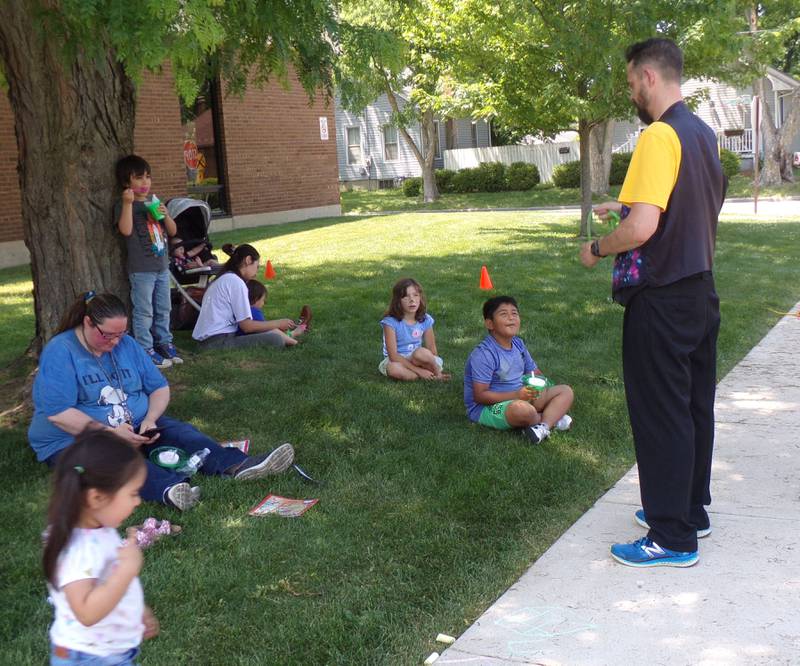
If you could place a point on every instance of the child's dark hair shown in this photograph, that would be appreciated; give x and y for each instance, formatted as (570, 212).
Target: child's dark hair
(97, 459)
(238, 255)
(255, 290)
(98, 307)
(130, 165)
(490, 306)
(395, 308)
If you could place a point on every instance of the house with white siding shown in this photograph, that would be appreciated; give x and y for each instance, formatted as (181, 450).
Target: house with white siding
(373, 153)
(727, 110)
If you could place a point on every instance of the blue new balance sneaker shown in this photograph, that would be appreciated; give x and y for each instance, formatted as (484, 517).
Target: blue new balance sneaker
(647, 553)
(639, 518)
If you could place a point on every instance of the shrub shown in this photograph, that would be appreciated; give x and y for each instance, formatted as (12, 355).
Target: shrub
(567, 175)
(619, 167)
(730, 162)
(412, 187)
(444, 180)
(522, 176)
(491, 177)
(465, 181)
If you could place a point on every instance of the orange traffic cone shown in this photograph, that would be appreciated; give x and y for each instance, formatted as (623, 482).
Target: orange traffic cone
(269, 271)
(486, 281)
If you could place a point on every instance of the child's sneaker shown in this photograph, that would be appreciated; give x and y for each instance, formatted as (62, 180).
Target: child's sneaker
(537, 433)
(169, 352)
(305, 317)
(158, 359)
(564, 423)
(647, 553)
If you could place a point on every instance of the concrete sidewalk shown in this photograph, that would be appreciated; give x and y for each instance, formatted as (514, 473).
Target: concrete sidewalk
(739, 605)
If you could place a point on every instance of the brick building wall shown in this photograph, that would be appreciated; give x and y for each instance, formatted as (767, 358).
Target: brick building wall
(158, 135)
(10, 199)
(276, 160)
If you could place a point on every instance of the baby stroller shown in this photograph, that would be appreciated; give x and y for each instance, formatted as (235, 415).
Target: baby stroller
(193, 219)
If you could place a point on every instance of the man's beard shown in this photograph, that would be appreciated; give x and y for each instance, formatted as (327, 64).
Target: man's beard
(643, 114)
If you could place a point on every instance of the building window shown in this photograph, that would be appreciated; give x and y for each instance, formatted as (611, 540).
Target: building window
(202, 153)
(390, 146)
(474, 130)
(353, 140)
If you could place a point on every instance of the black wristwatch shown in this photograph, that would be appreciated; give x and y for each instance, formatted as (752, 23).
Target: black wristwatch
(596, 249)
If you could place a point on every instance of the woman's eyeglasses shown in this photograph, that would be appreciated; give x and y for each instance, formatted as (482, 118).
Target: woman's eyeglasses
(110, 336)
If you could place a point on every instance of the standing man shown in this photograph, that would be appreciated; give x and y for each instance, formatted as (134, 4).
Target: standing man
(664, 247)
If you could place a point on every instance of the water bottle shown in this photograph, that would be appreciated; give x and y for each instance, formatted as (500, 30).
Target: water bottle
(194, 463)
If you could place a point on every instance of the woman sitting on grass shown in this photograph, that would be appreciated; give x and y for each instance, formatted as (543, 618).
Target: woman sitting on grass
(226, 309)
(93, 375)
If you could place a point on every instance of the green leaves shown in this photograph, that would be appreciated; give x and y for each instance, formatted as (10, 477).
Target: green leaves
(240, 40)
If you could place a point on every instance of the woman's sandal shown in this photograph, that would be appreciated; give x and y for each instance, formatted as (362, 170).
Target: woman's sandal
(151, 530)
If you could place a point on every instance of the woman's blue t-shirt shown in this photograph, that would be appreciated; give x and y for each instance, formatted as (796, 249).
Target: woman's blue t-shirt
(409, 336)
(69, 376)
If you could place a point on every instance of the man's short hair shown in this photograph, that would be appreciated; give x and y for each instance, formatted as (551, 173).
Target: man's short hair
(491, 306)
(663, 54)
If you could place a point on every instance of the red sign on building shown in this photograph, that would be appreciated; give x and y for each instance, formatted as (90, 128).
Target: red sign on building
(190, 155)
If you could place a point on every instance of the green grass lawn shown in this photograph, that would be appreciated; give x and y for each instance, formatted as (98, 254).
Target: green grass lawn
(424, 518)
(361, 201)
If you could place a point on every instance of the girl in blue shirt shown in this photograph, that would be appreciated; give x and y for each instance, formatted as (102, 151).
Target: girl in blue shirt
(409, 345)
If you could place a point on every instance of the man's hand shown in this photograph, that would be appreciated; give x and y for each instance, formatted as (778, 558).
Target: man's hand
(587, 258)
(602, 210)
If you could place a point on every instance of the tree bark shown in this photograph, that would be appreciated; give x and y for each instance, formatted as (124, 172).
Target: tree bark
(72, 121)
(777, 157)
(430, 190)
(600, 155)
(584, 131)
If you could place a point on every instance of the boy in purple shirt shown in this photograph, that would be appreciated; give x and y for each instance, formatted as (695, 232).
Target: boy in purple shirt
(494, 391)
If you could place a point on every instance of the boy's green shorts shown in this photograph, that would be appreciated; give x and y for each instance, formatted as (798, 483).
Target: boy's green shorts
(494, 416)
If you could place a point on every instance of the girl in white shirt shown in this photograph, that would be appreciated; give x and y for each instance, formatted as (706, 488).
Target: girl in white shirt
(92, 575)
(226, 308)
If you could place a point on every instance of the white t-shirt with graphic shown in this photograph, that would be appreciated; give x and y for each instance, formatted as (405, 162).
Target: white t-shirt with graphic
(92, 553)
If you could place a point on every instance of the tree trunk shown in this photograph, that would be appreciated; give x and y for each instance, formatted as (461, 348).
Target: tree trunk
(777, 157)
(430, 189)
(600, 155)
(584, 131)
(72, 121)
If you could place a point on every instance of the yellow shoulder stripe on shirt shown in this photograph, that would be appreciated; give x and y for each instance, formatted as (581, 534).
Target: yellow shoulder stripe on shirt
(654, 167)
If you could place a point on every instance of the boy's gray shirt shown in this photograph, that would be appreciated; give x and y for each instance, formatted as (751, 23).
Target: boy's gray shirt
(142, 246)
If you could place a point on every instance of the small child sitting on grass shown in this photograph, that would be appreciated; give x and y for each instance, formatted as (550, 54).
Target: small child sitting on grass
(494, 391)
(257, 296)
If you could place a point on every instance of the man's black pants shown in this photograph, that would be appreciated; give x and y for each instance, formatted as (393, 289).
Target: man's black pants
(669, 355)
